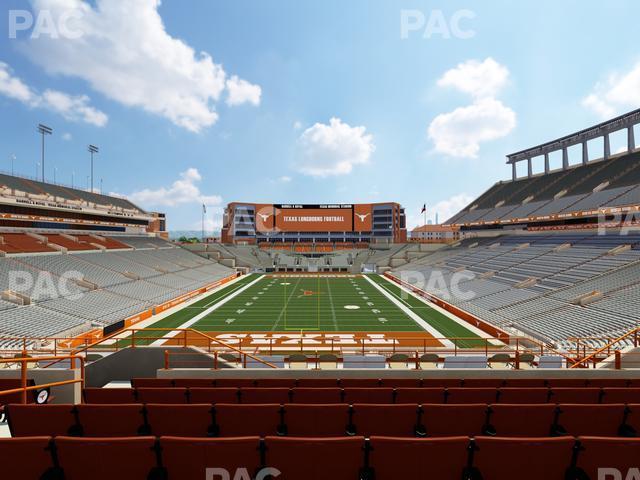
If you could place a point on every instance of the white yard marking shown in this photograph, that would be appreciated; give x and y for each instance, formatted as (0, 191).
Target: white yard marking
(202, 315)
(446, 342)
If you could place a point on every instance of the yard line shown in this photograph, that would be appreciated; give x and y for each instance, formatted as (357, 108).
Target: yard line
(402, 306)
(333, 310)
(284, 308)
(202, 315)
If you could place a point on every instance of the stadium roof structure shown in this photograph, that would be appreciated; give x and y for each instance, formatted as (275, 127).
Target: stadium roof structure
(604, 129)
(23, 186)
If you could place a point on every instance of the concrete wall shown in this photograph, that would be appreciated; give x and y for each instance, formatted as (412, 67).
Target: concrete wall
(71, 393)
(136, 362)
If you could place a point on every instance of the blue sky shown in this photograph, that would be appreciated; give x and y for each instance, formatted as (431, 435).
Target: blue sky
(317, 101)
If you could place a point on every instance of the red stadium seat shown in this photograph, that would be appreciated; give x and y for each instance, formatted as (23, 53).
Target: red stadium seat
(385, 420)
(43, 420)
(276, 382)
(471, 395)
(368, 395)
(152, 382)
(420, 395)
(251, 395)
(633, 417)
(106, 459)
(162, 395)
(317, 395)
(194, 382)
(525, 382)
(360, 382)
(109, 395)
(316, 420)
(591, 420)
(189, 458)
(401, 382)
(523, 458)
(618, 455)
(441, 382)
(454, 420)
(213, 395)
(247, 420)
(521, 420)
(483, 382)
(25, 458)
(235, 382)
(609, 382)
(413, 458)
(621, 395)
(567, 382)
(575, 395)
(112, 420)
(318, 382)
(523, 395)
(180, 420)
(316, 458)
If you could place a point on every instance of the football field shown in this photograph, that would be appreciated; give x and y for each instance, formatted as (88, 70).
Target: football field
(316, 303)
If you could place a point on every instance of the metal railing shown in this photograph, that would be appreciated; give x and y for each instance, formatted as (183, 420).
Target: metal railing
(24, 362)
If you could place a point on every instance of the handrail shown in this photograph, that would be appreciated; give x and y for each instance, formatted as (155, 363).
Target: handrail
(151, 329)
(606, 347)
(24, 366)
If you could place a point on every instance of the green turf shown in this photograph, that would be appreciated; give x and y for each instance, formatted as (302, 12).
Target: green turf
(310, 303)
(444, 324)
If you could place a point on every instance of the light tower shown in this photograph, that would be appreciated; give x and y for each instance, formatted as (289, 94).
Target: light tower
(92, 149)
(43, 130)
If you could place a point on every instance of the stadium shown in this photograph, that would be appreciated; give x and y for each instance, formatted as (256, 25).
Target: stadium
(323, 329)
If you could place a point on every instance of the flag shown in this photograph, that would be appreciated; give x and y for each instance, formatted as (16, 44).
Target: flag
(424, 208)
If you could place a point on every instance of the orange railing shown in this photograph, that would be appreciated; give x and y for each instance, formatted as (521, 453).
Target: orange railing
(24, 362)
(608, 349)
(189, 337)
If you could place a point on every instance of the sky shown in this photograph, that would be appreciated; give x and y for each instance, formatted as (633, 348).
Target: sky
(197, 102)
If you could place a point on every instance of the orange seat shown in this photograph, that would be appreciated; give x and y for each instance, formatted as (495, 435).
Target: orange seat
(264, 395)
(306, 420)
(591, 420)
(454, 420)
(247, 420)
(105, 459)
(180, 420)
(25, 458)
(189, 458)
(618, 455)
(316, 458)
(43, 420)
(385, 420)
(420, 395)
(112, 420)
(523, 395)
(162, 395)
(317, 395)
(368, 395)
(409, 458)
(523, 458)
(213, 395)
(522, 420)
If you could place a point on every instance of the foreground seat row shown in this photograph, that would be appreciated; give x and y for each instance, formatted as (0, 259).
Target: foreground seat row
(410, 420)
(355, 458)
(284, 395)
(383, 382)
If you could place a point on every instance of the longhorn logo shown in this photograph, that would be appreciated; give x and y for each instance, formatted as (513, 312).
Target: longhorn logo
(362, 217)
(264, 216)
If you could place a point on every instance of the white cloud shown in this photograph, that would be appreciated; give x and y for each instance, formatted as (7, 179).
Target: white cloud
(183, 191)
(240, 91)
(460, 132)
(297, 125)
(75, 108)
(67, 136)
(618, 93)
(325, 150)
(126, 54)
(284, 179)
(479, 79)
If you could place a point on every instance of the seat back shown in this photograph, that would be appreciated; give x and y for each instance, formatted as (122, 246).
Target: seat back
(127, 420)
(247, 420)
(43, 420)
(24, 458)
(180, 420)
(307, 420)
